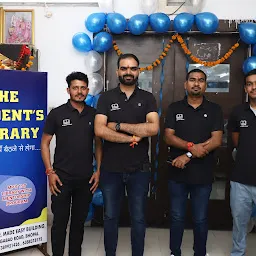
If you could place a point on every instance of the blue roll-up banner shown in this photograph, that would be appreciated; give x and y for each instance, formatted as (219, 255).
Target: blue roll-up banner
(23, 183)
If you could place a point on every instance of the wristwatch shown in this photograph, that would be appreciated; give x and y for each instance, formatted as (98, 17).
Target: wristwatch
(190, 145)
(189, 155)
(118, 127)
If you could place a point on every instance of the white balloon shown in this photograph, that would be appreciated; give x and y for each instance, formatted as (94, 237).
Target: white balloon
(93, 61)
(95, 83)
(106, 6)
(148, 6)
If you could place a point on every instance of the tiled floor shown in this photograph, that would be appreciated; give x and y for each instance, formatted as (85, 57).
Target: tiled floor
(157, 240)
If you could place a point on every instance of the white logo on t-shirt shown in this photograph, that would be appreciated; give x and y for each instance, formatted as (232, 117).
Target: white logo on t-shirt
(66, 122)
(179, 117)
(114, 107)
(243, 124)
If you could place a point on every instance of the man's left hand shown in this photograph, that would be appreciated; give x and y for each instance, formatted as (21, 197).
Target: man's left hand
(95, 179)
(180, 161)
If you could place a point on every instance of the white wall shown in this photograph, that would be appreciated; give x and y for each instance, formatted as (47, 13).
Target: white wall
(53, 36)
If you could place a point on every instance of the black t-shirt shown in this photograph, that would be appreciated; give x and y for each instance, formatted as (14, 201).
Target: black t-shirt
(193, 125)
(74, 132)
(120, 157)
(243, 121)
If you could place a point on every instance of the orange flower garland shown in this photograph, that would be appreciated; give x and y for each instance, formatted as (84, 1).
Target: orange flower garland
(186, 51)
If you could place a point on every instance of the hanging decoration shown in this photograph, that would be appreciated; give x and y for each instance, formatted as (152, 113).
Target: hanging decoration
(186, 51)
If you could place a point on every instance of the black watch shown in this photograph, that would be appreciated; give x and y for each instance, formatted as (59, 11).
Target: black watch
(118, 127)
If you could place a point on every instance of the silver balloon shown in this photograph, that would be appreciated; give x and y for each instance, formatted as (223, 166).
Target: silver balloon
(95, 83)
(93, 61)
(194, 6)
(106, 6)
(148, 6)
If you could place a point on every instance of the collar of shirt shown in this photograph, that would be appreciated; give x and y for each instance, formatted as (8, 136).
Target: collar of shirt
(70, 107)
(118, 90)
(203, 105)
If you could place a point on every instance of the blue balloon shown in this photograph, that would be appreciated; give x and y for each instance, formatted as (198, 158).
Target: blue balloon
(82, 42)
(116, 23)
(89, 99)
(159, 22)
(102, 42)
(249, 64)
(95, 22)
(90, 213)
(207, 22)
(138, 24)
(97, 198)
(183, 22)
(95, 100)
(254, 50)
(247, 32)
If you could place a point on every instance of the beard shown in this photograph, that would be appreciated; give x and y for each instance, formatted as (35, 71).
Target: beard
(79, 98)
(196, 93)
(132, 81)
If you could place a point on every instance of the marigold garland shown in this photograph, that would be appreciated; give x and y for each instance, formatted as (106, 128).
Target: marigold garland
(186, 51)
(25, 51)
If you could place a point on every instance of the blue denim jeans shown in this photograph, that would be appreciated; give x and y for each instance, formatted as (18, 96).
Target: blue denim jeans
(199, 195)
(241, 202)
(113, 187)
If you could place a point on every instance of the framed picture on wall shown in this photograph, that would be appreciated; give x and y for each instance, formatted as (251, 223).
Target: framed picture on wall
(18, 26)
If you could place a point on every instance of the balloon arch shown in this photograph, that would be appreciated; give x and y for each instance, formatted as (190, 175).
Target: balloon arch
(116, 23)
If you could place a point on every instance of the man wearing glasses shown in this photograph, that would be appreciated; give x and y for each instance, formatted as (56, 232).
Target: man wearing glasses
(126, 116)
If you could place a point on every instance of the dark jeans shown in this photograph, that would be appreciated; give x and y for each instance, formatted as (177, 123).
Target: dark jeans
(199, 195)
(77, 192)
(113, 188)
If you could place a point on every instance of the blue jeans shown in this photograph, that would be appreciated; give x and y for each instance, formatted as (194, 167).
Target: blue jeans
(113, 189)
(199, 195)
(241, 202)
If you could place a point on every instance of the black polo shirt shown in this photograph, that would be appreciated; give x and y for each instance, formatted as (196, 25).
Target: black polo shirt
(74, 132)
(120, 157)
(193, 125)
(243, 121)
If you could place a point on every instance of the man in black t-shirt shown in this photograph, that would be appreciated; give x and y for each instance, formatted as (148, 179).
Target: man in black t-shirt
(242, 125)
(126, 117)
(193, 129)
(72, 171)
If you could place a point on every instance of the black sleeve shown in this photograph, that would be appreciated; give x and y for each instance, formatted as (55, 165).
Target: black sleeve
(170, 121)
(102, 107)
(50, 125)
(218, 124)
(151, 104)
(233, 125)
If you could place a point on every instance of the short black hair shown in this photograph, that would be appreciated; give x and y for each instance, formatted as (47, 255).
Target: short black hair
(196, 70)
(250, 73)
(127, 56)
(77, 76)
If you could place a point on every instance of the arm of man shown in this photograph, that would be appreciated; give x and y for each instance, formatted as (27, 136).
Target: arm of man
(53, 178)
(98, 155)
(215, 141)
(148, 129)
(217, 131)
(106, 133)
(49, 130)
(234, 127)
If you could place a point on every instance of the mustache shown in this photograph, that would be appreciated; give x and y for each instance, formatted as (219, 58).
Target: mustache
(128, 76)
